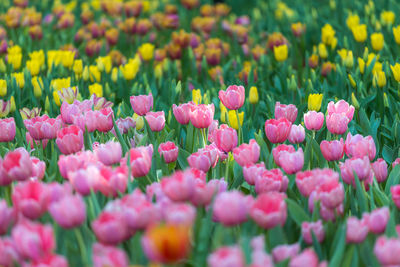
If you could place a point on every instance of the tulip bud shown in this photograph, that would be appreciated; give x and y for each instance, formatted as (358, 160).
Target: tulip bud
(37, 84)
(352, 81)
(292, 85)
(85, 74)
(354, 101)
(379, 79)
(114, 74)
(349, 60)
(47, 104)
(385, 100)
(365, 54)
(3, 88)
(253, 95)
(3, 67)
(12, 104)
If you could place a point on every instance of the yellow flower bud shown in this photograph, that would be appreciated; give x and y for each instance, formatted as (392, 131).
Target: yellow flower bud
(377, 41)
(224, 112)
(361, 65)
(47, 104)
(323, 52)
(360, 33)
(196, 96)
(387, 17)
(12, 104)
(233, 121)
(3, 67)
(396, 71)
(385, 100)
(354, 101)
(253, 95)
(96, 89)
(379, 79)
(3, 88)
(396, 34)
(33, 66)
(78, 67)
(349, 61)
(158, 71)
(85, 74)
(139, 121)
(352, 82)
(37, 84)
(19, 79)
(328, 34)
(114, 74)
(146, 51)
(130, 69)
(14, 60)
(315, 101)
(281, 52)
(352, 21)
(94, 74)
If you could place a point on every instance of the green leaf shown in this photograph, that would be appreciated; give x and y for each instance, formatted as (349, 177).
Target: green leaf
(340, 246)
(125, 148)
(393, 179)
(296, 212)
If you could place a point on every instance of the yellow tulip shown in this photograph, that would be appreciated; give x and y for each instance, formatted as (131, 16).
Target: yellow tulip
(196, 96)
(315, 101)
(104, 64)
(94, 74)
(354, 101)
(130, 69)
(139, 121)
(379, 79)
(158, 71)
(233, 121)
(85, 74)
(12, 104)
(146, 51)
(396, 34)
(3, 67)
(96, 89)
(360, 33)
(322, 51)
(327, 34)
(78, 67)
(114, 74)
(224, 112)
(19, 79)
(352, 21)
(387, 17)
(281, 52)
(37, 84)
(67, 58)
(47, 104)
(352, 81)
(396, 71)
(33, 66)
(14, 60)
(349, 60)
(377, 41)
(253, 95)
(3, 88)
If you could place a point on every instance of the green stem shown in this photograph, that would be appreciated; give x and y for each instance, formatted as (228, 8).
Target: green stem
(227, 168)
(240, 137)
(82, 246)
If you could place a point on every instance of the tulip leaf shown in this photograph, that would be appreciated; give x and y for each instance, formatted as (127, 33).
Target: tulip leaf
(393, 179)
(360, 192)
(340, 246)
(182, 158)
(296, 212)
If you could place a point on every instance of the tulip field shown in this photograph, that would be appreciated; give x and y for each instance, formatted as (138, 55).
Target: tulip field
(197, 133)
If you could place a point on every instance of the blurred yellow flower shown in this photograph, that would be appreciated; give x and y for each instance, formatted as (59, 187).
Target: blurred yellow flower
(19, 79)
(387, 17)
(396, 71)
(96, 89)
(281, 52)
(12, 104)
(130, 69)
(67, 58)
(38, 56)
(158, 71)
(94, 74)
(196, 96)
(360, 33)
(3, 87)
(37, 84)
(352, 81)
(139, 121)
(33, 66)
(104, 63)
(352, 20)
(377, 41)
(14, 60)
(78, 67)
(322, 51)
(315, 101)
(253, 95)
(114, 74)
(327, 34)
(85, 74)
(396, 34)
(146, 51)
(354, 101)
(3, 67)
(233, 121)
(379, 79)
(57, 85)
(224, 112)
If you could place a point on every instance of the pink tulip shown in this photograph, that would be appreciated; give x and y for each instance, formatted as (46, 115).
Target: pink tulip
(276, 152)
(38, 168)
(271, 180)
(394, 163)
(285, 111)
(70, 139)
(306, 258)
(124, 124)
(356, 230)
(69, 212)
(179, 213)
(233, 97)
(139, 212)
(201, 160)
(109, 256)
(109, 153)
(260, 258)
(330, 190)
(7, 126)
(225, 138)
(247, 154)
(283, 252)
(307, 181)
(140, 160)
(292, 162)
(33, 241)
(73, 162)
(32, 142)
(142, 104)
(104, 120)
(8, 216)
(110, 227)
(250, 172)
(361, 166)
(314, 120)
(156, 120)
(168, 151)
(297, 134)
(29, 198)
(277, 130)
(211, 129)
(312, 227)
(34, 126)
(269, 210)
(181, 112)
(387, 251)
(337, 123)
(341, 107)
(9, 255)
(112, 182)
(179, 186)
(230, 208)
(85, 180)
(86, 121)
(330, 214)
(69, 111)
(332, 150)
(201, 116)
(380, 169)
(55, 191)
(17, 164)
(395, 190)
(204, 192)
(377, 220)
(358, 146)
(227, 257)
